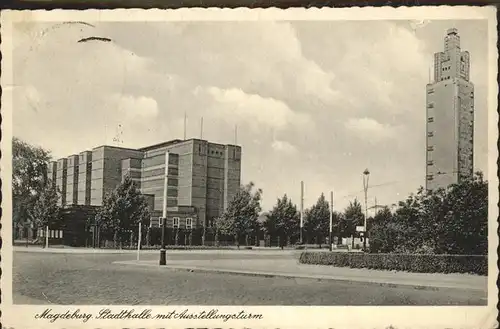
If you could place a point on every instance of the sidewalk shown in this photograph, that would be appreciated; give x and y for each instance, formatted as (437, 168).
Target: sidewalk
(291, 268)
(72, 250)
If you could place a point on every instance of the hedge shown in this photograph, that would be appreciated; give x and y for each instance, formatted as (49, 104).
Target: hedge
(421, 263)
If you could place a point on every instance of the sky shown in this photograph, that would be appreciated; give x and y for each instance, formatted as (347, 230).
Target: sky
(313, 101)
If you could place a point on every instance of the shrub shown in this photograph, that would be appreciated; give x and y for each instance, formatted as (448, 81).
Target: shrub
(421, 263)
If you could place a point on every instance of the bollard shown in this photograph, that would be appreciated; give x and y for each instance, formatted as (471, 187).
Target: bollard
(163, 257)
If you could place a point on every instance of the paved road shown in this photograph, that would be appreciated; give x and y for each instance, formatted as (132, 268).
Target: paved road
(290, 267)
(79, 278)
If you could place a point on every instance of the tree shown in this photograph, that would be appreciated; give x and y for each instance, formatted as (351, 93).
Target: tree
(29, 177)
(123, 209)
(317, 219)
(240, 217)
(464, 222)
(384, 232)
(283, 220)
(353, 216)
(46, 211)
(443, 221)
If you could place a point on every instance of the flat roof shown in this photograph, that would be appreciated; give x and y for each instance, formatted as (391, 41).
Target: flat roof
(162, 144)
(180, 141)
(116, 147)
(154, 146)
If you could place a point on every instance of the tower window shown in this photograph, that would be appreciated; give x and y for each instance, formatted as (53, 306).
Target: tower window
(430, 148)
(430, 105)
(430, 134)
(430, 177)
(431, 119)
(430, 163)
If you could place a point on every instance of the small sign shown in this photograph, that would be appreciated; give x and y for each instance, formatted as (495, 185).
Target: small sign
(360, 228)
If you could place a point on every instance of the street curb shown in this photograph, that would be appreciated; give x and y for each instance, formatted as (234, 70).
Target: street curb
(147, 252)
(194, 269)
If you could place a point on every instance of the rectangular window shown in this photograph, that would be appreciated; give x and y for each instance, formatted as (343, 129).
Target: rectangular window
(176, 221)
(430, 105)
(430, 134)
(431, 119)
(430, 163)
(430, 148)
(189, 223)
(430, 177)
(430, 91)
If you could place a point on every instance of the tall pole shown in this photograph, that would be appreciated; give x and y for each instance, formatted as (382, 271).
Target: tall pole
(98, 235)
(163, 251)
(139, 241)
(47, 236)
(331, 222)
(301, 212)
(366, 177)
(185, 123)
(201, 128)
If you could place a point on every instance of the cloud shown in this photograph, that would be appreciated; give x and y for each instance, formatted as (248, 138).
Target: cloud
(134, 107)
(257, 109)
(283, 147)
(370, 129)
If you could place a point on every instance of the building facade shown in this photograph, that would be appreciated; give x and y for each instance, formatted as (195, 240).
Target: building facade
(202, 178)
(450, 116)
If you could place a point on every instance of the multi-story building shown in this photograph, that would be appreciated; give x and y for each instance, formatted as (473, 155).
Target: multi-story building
(450, 116)
(202, 178)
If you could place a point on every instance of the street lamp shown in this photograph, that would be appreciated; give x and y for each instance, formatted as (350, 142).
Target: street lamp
(366, 177)
(163, 251)
(163, 218)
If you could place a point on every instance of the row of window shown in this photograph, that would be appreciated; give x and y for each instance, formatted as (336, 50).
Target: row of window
(57, 234)
(189, 222)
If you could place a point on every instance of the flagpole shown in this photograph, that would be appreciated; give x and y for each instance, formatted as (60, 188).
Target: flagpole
(185, 123)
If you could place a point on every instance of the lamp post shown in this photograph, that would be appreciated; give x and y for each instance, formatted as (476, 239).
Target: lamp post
(366, 177)
(330, 241)
(163, 219)
(163, 251)
(302, 212)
